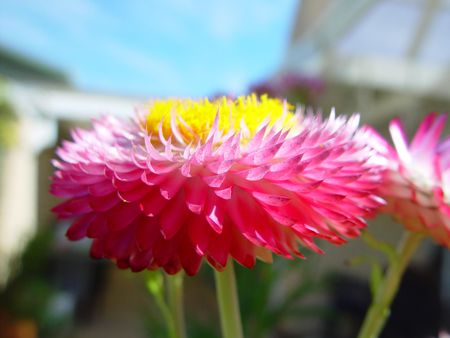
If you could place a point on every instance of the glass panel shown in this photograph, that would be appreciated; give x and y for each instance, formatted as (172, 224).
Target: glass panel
(436, 47)
(386, 30)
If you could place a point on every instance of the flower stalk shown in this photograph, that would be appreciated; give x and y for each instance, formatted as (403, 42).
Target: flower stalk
(155, 286)
(379, 310)
(175, 302)
(230, 316)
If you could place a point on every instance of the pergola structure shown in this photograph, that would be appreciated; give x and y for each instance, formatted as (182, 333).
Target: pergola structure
(379, 57)
(46, 112)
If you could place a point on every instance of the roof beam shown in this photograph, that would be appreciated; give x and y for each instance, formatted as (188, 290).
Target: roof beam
(335, 21)
(308, 15)
(431, 7)
(400, 75)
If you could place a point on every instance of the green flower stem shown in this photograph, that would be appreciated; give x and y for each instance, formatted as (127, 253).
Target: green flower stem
(230, 316)
(155, 285)
(175, 299)
(379, 310)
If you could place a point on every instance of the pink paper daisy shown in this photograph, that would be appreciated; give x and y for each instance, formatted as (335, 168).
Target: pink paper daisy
(417, 184)
(190, 180)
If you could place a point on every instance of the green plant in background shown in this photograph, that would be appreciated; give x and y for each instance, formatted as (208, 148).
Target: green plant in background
(170, 306)
(161, 323)
(267, 302)
(29, 294)
(8, 119)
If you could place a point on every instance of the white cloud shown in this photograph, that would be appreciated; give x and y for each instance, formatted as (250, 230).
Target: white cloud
(76, 18)
(235, 83)
(14, 31)
(152, 67)
(225, 19)
(133, 37)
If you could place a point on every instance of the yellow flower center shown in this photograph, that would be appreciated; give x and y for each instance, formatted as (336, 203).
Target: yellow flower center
(194, 119)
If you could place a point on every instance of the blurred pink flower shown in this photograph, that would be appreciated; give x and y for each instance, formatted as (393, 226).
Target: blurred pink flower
(442, 334)
(171, 200)
(417, 184)
(302, 88)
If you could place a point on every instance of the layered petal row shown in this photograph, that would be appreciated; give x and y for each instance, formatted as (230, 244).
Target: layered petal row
(157, 200)
(417, 184)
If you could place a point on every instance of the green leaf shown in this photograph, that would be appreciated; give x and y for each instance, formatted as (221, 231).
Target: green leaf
(358, 260)
(384, 247)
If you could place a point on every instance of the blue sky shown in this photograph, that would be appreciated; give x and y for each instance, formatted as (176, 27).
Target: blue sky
(153, 47)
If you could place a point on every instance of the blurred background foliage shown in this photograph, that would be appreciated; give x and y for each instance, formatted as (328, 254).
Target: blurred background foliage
(28, 303)
(275, 301)
(8, 119)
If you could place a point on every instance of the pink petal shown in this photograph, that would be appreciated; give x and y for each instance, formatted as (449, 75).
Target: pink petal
(104, 203)
(173, 217)
(199, 233)
(101, 189)
(170, 187)
(195, 195)
(98, 227)
(147, 232)
(152, 204)
(399, 138)
(78, 229)
(122, 215)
